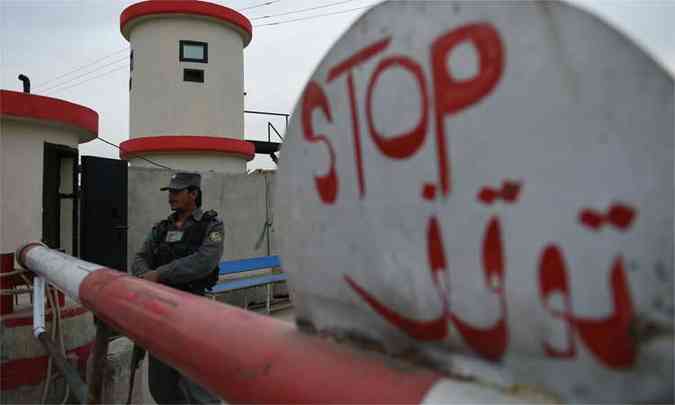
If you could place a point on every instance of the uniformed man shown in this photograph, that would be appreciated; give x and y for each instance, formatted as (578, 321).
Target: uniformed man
(183, 252)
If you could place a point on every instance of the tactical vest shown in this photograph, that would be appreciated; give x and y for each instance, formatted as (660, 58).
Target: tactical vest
(193, 236)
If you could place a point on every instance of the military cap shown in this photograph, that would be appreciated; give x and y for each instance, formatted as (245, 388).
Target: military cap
(183, 180)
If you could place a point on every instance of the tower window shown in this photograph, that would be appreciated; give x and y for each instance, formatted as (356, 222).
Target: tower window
(193, 75)
(193, 51)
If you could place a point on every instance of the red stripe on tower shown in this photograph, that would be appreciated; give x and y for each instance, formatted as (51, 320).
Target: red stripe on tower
(186, 143)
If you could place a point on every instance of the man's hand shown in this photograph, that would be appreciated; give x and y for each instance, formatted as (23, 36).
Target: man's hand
(151, 275)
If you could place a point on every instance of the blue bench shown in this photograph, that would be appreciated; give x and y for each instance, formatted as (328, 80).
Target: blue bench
(242, 267)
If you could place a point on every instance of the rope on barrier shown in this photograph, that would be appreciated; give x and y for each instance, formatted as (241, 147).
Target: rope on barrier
(56, 326)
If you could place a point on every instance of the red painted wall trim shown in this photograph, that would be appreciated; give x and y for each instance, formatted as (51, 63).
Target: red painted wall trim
(6, 283)
(32, 371)
(25, 105)
(202, 8)
(27, 320)
(186, 143)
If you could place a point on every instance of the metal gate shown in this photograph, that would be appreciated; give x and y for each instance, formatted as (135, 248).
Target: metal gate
(59, 177)
(104, 212)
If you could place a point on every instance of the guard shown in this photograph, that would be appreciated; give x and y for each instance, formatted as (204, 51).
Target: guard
(183, 252)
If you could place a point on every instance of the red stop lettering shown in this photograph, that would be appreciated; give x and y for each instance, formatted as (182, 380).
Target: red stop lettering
(609, 339)
(490, 342)
(406, 144)
(346, 66)
(452, 95)
(313, 98)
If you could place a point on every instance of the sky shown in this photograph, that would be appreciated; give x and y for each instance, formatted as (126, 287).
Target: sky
(73, 50)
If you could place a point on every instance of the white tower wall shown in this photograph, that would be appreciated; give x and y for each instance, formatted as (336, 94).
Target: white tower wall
(23, 144)
(162, 103)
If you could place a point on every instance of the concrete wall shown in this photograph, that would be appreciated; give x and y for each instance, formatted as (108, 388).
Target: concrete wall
(194, 161)
(239, 199)
(161, 103)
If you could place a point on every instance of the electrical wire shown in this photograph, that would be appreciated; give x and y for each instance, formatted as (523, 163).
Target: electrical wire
(259, 5)
(48, 378)
(310, 17)
(60, 333)
(136, 156)
(75, 70)
(56, 327)
(17, 291)
(50, 88)
(58, 87)
(56, 90)
(302, 10)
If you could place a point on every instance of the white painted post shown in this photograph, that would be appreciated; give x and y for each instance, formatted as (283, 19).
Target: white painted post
(38, 306)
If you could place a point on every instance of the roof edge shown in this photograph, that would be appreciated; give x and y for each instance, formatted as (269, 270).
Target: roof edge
(158, 8)
(14, 104)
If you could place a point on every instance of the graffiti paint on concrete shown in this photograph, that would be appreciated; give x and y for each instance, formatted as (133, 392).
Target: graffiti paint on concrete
(476, 178)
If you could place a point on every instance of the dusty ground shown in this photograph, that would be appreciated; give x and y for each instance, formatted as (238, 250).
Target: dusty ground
(285, 315)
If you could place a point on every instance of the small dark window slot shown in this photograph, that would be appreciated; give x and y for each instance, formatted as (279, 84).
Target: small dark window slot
(193, 75)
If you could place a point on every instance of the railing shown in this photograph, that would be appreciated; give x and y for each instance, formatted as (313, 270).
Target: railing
(269, 113)
(239, 355)
(269, 147)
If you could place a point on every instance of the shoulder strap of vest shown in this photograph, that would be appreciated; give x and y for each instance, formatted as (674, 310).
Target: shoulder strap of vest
(200, 226)
(209, 215)
(161, 228)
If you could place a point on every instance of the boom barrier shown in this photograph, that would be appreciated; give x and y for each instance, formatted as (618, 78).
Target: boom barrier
(239, 355)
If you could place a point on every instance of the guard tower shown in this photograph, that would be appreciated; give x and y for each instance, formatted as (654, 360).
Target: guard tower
(39, 138)
(186, 90)
(39, 197)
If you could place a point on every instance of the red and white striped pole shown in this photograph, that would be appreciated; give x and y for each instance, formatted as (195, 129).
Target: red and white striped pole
(239, 355)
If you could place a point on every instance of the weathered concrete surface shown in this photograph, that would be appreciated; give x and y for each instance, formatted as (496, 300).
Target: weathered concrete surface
(490, 179)
(243, 203)
(31, 394)
(21, 353)
(239, 199)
